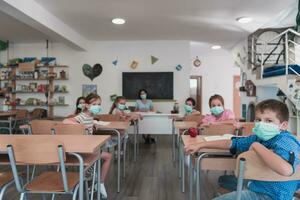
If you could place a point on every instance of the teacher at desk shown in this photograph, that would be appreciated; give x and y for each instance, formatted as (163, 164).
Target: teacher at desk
(144, 105)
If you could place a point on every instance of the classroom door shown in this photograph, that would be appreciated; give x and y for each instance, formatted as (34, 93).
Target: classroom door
(196, 91)
(236, 96)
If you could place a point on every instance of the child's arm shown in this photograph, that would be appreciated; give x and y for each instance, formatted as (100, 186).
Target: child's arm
(272, 160)
(220, 144)
(70, 121)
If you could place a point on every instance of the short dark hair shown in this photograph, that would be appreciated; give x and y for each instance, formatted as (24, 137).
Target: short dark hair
(191, 100)
(280, 108)
(216, 96)
(92, 96)
(140, 91)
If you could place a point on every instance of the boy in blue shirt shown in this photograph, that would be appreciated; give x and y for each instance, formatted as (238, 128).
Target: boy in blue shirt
(273, 144)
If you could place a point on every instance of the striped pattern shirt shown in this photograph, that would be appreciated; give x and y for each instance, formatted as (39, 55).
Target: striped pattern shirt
(87, 120)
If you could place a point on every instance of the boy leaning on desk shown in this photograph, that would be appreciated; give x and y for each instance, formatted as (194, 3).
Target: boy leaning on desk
(271, 141)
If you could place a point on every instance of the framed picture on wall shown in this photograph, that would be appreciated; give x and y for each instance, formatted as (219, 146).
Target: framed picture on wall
(87, 89)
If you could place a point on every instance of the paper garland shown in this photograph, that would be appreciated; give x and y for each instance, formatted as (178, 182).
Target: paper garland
(115, 62)
(153, 60)
(134, 64)
(178, 67)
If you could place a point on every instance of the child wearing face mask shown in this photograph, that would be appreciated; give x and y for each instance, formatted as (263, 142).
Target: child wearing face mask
(189, 107)
(85, 116)
(271, 141)
(80, 105)
(119, 108)
(218, 113)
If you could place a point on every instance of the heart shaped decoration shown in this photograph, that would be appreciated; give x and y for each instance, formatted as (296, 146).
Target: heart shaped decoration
(92, 72)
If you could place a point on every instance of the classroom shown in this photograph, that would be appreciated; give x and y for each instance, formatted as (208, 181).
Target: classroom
(149, 100)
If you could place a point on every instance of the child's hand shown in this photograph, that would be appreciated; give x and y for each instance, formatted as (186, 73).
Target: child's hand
(193, 148)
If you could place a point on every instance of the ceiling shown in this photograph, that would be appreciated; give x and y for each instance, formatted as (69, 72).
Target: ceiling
(13, 30)
(212, 21)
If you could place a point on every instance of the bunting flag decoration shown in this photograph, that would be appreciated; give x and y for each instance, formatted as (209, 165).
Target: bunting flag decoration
(134, 64)
(178, 67)
(115, 62)
(153, 60)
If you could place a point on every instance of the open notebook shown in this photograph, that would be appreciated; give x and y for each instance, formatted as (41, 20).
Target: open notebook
(101, 123)
(218, 137)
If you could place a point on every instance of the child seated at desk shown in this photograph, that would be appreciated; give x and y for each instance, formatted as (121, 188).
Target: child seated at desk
(189, 107)
(218, 112)
(90, 108)
(119, 108)
(273, 144)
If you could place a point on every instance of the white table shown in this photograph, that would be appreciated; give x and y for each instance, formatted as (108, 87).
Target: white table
(157, 123)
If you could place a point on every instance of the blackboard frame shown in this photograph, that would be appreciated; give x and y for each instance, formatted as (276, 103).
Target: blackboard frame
(132, 95)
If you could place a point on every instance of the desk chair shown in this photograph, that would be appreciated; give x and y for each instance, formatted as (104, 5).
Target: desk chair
(89, 160)
(218, 129)
(43, 152)
(21, 118)
(250, 166)
(195, 118)
(39, 127)
(6, 180)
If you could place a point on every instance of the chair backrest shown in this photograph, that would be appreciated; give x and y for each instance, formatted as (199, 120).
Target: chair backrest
(218, 129)
(109, 117)
(256, 169)
(36, 151)
(69, 129)
(42, 127)
(38, 113)
(246, 128)
(195, 118)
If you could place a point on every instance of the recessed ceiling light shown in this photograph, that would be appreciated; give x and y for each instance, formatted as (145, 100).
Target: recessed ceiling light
(244, 20)
(216, 47)
(118, 21)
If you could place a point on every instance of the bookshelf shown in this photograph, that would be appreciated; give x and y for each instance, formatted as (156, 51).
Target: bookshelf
(39, 81)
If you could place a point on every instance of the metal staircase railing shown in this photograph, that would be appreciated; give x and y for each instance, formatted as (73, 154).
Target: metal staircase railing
(289, 51)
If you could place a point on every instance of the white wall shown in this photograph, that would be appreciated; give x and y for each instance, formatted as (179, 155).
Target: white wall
(170, 54)
(217, 71)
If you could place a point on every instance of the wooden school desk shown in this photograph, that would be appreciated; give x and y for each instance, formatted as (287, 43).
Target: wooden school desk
(7, 118)
(206, 160)
(157, 123)
(116, 126)
(79, 144)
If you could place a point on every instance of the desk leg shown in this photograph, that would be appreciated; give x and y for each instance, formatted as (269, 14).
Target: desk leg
(180, 149)
(182, 157)
(10, 125)
(135, 140)
(119, 160)
(191, 177)
(99, 177)
(173, 141)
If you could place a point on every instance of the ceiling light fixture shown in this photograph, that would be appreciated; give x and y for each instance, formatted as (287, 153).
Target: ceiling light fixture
(216, 47)
(118, 21)
(244, 20)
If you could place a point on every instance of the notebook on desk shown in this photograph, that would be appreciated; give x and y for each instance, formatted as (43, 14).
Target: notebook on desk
(101, 123)
(218, 137)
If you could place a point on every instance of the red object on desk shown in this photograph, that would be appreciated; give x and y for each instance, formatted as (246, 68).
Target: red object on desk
(193, 132)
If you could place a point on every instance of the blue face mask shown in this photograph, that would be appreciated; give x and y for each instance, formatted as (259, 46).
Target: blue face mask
(121, 106)
(188, 109)
(95, 109)
(266, 131)
(143, 96)
(217, 110)
(80, 106)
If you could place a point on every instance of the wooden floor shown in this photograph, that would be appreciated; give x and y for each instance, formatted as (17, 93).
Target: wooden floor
(153, 177)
